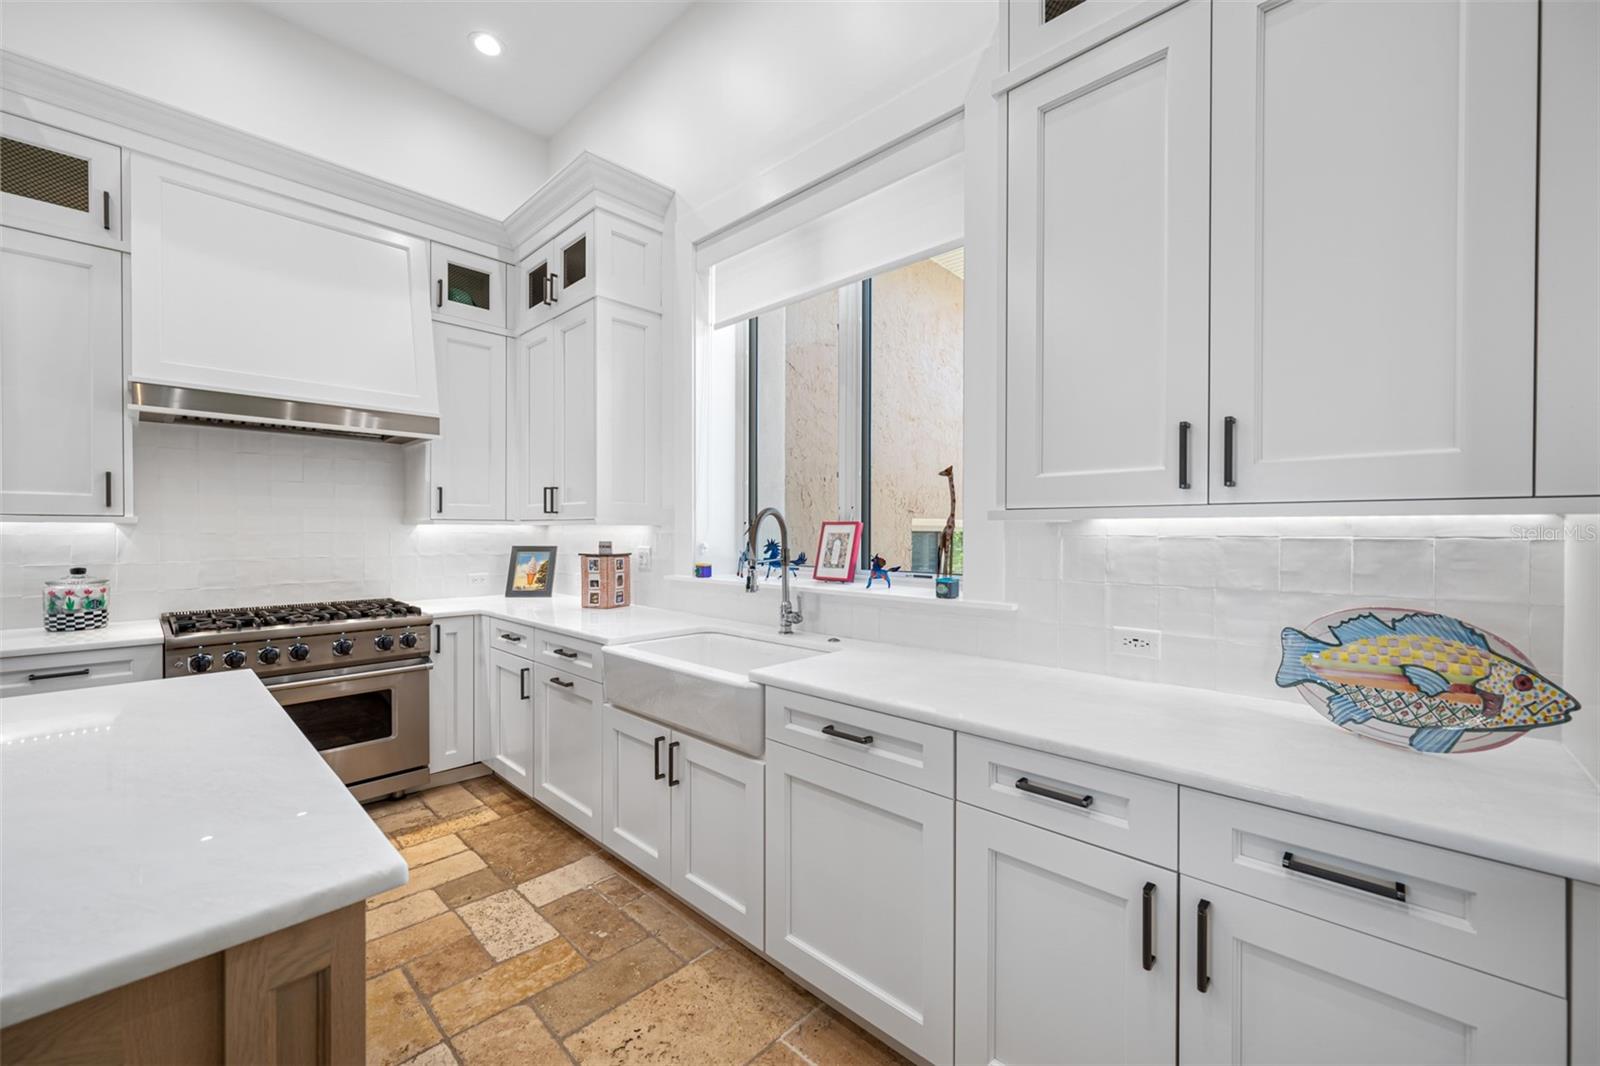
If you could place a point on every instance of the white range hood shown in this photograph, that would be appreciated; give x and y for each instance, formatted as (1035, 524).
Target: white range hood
(252, 307)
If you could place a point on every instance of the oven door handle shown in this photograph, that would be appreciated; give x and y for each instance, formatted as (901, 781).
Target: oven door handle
(283, 686)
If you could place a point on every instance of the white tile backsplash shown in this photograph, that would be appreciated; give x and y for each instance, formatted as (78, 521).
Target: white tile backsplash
(1314, 564)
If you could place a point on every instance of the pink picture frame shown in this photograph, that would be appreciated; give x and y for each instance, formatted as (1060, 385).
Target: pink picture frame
(835, 540)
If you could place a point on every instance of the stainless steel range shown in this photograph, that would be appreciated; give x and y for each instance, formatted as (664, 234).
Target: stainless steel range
(353, 675)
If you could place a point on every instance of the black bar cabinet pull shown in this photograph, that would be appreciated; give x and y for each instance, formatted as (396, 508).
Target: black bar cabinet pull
(831, 730)
(1149, 924)
(438, 300)
(565, 653)
(108, 488)
(105, 209)
(1229, 425)
(525, 671)
(515, 638)
(441, 499)
(59, 673)
(552, 282)
(1183, 455)
(1024, 785)
(1386, 889)
(659, 741)
(672, 764)
(556, 681)
(1202, 945)
(436, 640)
(555, 502)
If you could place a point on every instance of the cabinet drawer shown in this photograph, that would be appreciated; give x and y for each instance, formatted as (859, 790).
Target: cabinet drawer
(57, 671)
(917, 754)
(580, 658)
(1501, 919)
(511, 637)
(1124, 812)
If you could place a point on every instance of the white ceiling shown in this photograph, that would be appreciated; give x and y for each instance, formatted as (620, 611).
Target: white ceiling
(558, 53)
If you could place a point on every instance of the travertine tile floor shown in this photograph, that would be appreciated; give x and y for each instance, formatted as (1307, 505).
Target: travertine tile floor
(518, 941)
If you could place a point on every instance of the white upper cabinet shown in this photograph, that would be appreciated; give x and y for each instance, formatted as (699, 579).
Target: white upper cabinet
(1042, 30)
(600, 254)
(239, 289)
(1107, 260)
(1569, 251)
(1372, 282)
(1261, 983)
(63, 429)
(468, 288)
(61, 183)
(467, 462)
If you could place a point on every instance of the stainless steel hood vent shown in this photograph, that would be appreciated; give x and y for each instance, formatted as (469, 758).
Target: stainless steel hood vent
(173, 403)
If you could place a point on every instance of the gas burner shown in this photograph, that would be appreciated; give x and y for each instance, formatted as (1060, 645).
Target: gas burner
(365, 613)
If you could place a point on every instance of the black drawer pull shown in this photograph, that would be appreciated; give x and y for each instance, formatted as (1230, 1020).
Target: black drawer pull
(1183, 455)
(565, 653)
(59, 673)
(659, 741)
(556, 681)
(524, 682)
(1386, 889)
(1149, 924)
(1229, 427)
(831, 730)
(672, 764)
(1202, 945)
(514, 638)
(1024, 785)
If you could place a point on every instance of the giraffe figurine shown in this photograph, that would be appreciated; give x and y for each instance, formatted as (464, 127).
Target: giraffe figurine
(947, 586)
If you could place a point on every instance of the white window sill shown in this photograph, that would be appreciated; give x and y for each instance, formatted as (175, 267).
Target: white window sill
(906, 591)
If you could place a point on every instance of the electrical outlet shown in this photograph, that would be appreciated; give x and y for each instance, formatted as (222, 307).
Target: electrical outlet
(478, 581)
(641, 556)
(1136, 643)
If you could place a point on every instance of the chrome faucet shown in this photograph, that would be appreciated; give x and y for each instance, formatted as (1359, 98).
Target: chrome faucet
(787, 615)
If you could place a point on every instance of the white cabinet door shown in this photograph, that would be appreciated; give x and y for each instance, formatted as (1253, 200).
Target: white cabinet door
(535, 289)
(718, 834)
(62, 422)
(566, 743)
(860, 893)
(535, 424)
(553, 420)
(636, 809)
(572, 258)
(59, 182)
(1569, 251)
(240, 289)
(467, 462)
(451, 688)
(1106, 272)
(1261, 983)
(1373, 249)
(468, 288)
(1065, 952)
(511, 718)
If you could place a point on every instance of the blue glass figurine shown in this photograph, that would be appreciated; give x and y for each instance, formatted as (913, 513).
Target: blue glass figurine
(881, 568)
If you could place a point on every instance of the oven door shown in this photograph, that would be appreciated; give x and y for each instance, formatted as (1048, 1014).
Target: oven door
(368, 724)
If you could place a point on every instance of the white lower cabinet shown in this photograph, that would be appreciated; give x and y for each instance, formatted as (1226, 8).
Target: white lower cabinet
(1065, 952)
(688, 814)
(566, 747)
(1261, 983)
(860, 893)
(24, 675)
(510, 718)
(451, 694)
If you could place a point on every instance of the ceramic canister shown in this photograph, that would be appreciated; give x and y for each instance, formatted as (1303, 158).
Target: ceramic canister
(76, 601)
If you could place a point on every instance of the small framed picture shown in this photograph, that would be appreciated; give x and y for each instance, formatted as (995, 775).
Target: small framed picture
(532, 571)
(837, 549)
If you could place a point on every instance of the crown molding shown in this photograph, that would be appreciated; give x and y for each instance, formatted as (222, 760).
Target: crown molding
(588, 175)
(49, 84)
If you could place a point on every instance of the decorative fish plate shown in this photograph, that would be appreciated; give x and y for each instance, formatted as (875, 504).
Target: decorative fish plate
(1426, 681)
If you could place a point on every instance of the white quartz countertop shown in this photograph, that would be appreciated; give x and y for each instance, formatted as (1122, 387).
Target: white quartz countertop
(146, 825)
(1528, 803)
(115, 635)
(565, 615)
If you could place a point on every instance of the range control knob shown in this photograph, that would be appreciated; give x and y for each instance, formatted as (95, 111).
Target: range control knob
(268, 655)
(234, 659)
(343, 646)
(408, 639)
(199, 662)
(383, 642)
(299, 651)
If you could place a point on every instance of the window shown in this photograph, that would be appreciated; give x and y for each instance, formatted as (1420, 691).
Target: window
(851, 408)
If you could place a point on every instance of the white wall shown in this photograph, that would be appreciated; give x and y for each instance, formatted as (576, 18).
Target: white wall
(235, 64)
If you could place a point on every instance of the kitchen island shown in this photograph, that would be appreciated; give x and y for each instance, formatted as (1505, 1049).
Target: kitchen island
(182, 878)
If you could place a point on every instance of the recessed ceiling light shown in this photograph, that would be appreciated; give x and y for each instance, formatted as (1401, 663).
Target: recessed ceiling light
(487, 43)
